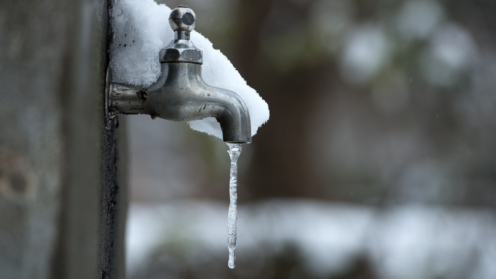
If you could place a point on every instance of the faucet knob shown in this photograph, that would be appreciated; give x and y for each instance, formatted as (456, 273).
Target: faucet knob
(182, 18)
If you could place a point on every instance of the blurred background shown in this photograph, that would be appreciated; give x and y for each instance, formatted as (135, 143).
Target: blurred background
(378, 160)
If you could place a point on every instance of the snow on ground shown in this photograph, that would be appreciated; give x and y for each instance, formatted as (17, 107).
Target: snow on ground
(402, 242)
(141, 29)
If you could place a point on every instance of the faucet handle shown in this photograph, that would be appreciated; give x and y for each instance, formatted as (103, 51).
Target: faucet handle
(182, 18)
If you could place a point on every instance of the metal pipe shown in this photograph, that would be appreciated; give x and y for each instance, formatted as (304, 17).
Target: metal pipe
(184, 96)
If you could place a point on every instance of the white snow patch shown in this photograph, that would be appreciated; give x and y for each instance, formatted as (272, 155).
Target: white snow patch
(366, 50)
(141, 29)
(400, 242)
(417, 19)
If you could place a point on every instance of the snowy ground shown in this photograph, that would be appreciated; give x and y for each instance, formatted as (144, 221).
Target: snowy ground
(401, 242)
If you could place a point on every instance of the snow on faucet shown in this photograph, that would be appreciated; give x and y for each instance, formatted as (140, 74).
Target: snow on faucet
(160, 73)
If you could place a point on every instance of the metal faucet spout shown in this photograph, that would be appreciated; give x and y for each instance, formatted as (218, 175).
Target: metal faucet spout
(183, 96)
(186, 97)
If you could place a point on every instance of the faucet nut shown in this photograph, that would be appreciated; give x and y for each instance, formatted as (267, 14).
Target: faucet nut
(182, 18)
(181, 55)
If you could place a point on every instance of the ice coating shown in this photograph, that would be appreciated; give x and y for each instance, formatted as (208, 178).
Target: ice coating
(141, 29)
(232, 216)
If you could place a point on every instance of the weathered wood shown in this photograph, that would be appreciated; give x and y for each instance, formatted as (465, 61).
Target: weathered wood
(56, 176)
(114, 202)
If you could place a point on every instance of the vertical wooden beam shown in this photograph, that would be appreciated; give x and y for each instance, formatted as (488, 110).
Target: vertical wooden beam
(61, 203)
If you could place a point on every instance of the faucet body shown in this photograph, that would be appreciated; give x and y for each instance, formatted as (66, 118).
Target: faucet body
(180, 94)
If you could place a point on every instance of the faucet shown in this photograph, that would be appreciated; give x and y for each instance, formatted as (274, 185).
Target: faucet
(180, 94)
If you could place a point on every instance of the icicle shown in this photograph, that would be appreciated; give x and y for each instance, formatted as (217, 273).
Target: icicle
(234, 152)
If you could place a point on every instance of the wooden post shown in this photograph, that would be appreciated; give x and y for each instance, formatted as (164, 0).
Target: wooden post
(62, 192)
